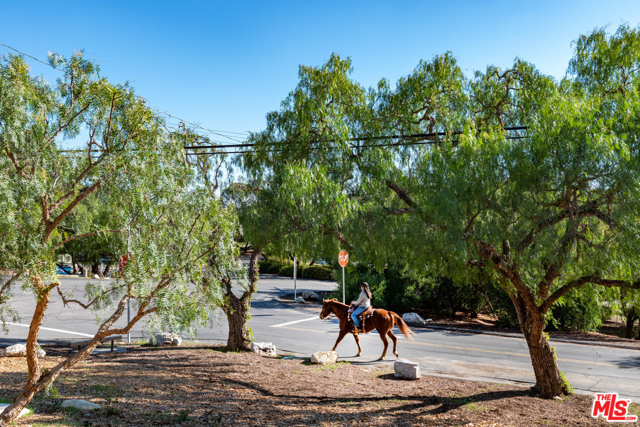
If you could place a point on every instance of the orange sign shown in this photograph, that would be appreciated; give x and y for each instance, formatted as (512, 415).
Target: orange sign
(124, 259)
(343, 258)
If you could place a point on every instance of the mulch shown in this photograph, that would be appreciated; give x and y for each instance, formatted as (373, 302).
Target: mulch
(202, 385)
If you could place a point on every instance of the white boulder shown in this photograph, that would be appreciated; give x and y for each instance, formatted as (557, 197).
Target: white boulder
(300, 300)
(324, 357)
(413, 318)
(24, 412)
(406, 369)
(168, 339)
(310, 295)
(80, 404)
(265, 348)
(20, 350)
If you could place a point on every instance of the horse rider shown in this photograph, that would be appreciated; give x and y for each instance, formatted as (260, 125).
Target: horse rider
(361, 304)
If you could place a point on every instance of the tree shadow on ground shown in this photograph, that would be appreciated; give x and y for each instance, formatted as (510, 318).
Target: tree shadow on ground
(203, 386)
(433, 404)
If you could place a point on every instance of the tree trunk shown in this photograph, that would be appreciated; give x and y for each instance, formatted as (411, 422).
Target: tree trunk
(95, 268)
(237, 313)
(33, 365)
(631, 319)
(37, 379)
(549, 380)
(237, 309)
(74, 269)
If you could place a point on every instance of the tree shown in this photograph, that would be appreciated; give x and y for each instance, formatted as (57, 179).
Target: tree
(139, 172)
(533, 181)
(95, 221)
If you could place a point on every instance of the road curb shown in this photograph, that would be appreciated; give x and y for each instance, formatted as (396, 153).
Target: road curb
(520, 336)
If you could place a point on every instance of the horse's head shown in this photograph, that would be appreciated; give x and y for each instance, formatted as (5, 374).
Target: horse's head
(327, 308)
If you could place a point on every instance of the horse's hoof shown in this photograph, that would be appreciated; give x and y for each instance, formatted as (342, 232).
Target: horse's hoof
(359, 355)
(381, 359)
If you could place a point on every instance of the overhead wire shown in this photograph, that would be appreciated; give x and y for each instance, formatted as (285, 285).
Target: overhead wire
(423, 136)
(241, 144)
(220, 133)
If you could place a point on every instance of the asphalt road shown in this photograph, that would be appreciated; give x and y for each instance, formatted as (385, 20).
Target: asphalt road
(298, 329)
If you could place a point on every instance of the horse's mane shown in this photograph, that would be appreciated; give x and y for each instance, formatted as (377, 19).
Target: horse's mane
(333, 300)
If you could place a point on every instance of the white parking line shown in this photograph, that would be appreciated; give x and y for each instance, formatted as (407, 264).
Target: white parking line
(53, 330)
(294, 322)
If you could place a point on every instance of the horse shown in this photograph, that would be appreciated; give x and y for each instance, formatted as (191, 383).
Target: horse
(381, 320)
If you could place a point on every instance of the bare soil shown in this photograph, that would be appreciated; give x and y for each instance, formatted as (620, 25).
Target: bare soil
(200, 385)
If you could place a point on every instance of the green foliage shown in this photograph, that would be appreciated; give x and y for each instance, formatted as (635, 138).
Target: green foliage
(542, 210)
(285, 268)
(581, 309)
(286, 271)
(273, 265)
(318, 272)
(129, 190)
(399, 290)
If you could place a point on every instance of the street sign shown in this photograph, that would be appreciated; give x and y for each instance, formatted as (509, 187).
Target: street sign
(343, 258)
(124, 259)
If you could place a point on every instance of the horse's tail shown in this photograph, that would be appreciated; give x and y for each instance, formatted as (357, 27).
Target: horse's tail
(404, 328)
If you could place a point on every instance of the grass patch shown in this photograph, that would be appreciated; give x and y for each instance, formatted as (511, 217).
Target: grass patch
(475, 407)
(327, 368)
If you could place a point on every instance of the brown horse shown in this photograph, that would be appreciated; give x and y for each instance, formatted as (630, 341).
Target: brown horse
(382, 320)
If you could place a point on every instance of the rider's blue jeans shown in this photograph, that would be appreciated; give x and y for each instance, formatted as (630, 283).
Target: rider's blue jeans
(355, 314)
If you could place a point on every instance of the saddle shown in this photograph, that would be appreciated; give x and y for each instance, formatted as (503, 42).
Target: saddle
(366, 314)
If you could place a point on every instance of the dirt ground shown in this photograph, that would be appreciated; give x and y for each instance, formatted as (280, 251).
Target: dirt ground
(200, 385)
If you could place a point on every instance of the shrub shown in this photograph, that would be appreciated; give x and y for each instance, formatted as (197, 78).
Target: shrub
(318, 272)
(580, 309)
(286, 271)
(273, 265)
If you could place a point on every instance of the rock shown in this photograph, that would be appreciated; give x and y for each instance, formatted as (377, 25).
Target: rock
(413, 318)
(310, 295)
(16, 350)
(20, 350)
(324, 357)
(300, 300)
(24, 412)
(95, 276)
(169, 339)
(265, 348)
(80, 404)
(406, 369)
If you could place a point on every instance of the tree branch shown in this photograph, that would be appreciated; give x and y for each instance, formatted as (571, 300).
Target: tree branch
(593, 278)
(19, 169)
(81, 236)
(51, 225)
(404, 196)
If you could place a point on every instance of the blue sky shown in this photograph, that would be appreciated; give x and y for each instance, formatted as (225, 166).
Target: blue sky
(224, 65)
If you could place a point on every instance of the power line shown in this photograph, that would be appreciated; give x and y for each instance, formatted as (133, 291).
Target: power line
(29, 56)
(424, 136)
(220, 133)
(391, 144)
